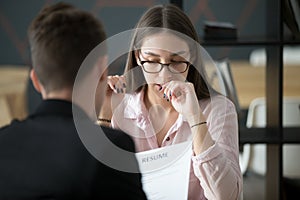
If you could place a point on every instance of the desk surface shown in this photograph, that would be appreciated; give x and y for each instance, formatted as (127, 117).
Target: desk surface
(250, 81)
(13, 82)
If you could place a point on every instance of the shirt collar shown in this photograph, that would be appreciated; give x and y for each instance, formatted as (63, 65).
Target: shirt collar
(136, 109)
(58, 107)
(135, 106)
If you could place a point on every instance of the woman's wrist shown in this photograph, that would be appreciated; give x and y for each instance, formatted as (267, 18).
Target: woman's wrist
(196, 119)
(103, 122)
(198, 124)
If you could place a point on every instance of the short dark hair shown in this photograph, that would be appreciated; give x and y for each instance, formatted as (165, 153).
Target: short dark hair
(60, 37)
(171, 17)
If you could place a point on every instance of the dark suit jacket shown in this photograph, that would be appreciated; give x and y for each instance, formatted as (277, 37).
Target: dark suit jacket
(43, 157)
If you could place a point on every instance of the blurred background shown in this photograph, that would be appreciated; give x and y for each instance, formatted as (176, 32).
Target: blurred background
(120, 15)
(245, 58)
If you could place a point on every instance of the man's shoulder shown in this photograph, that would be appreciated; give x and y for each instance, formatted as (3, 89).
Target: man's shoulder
(119, 138)
(13, 125)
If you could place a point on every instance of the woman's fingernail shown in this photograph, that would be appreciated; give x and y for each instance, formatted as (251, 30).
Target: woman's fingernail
(124, 85)
(160, 88)
(118, 91)
(164, 95)
(121, 90)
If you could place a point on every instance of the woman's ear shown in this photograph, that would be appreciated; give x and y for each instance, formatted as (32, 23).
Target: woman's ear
(137, 58)
(35, 81)
(103, 76)
(101, 68)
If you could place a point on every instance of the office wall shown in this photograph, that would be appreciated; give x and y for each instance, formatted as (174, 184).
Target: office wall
(120, 15)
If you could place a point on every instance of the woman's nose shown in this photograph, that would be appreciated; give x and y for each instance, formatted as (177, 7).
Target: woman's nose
(165, 71)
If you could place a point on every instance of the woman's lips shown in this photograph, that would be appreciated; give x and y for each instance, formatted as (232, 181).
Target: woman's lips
(159, 86)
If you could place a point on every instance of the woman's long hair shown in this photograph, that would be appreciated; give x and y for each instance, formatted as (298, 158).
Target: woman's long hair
(172, 18)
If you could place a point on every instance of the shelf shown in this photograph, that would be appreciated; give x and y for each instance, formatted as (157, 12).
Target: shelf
(290, 135)
(269, 136)
(249, 42)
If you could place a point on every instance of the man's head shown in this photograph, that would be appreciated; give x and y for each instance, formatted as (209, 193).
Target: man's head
(60, 37)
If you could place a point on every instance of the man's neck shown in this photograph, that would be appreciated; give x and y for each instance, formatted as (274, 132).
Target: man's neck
(64, 94)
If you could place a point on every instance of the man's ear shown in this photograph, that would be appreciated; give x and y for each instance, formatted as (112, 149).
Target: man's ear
(35, 81)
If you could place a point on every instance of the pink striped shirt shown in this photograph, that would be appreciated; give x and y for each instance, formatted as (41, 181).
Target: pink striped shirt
(215, 173)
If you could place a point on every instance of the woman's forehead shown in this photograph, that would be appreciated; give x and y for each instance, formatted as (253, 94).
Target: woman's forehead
(159, 53)
(165, 42)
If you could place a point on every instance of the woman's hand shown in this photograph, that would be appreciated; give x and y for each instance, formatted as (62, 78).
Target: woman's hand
(182, 97)
(115, 85)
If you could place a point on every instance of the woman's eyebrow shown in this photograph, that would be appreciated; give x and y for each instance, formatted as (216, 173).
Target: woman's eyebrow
(151, 53)
(173, 54)
(178, 53)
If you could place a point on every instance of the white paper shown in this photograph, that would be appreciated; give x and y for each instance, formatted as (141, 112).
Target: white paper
(165, 171)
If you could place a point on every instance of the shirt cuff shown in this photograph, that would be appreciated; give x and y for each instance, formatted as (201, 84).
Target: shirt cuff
(209, 154)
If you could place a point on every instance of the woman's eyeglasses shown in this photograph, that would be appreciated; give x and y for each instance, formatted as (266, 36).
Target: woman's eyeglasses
(156, 67)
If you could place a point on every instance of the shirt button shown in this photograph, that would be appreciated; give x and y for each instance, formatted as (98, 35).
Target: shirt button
(168, 139)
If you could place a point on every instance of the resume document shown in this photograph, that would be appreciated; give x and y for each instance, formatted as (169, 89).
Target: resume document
(165, 171)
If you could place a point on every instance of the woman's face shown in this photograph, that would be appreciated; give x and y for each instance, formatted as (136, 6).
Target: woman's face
(167, 49)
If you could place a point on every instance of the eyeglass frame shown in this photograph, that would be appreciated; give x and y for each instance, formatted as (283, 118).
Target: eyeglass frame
(163, 65)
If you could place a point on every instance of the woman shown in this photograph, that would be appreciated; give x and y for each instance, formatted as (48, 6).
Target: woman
(174, 103)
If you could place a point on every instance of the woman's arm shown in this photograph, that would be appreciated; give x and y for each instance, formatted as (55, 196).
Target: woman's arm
(116, 87)
(217, 168)
(215, 140)
(183, 98)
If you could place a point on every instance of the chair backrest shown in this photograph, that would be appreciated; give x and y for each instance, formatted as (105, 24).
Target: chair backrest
(291, 118)
(229, 90)
(257, 112)
(227, 78)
